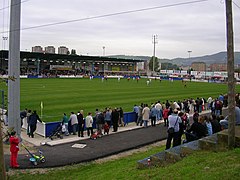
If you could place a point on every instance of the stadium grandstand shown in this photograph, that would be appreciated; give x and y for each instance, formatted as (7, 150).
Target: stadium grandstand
(49, 64)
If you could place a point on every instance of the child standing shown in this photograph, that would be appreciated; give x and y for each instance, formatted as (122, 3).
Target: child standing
(106, 128)
(14, 141)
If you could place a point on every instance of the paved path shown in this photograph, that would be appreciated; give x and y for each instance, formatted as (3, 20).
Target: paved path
(65, 154)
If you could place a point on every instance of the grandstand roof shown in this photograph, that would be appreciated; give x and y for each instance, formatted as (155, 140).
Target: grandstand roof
(46, 56)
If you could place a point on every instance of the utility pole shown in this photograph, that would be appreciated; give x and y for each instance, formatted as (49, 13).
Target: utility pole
(231, 80)
(154, 50)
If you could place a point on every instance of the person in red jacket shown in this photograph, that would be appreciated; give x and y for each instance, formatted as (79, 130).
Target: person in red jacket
(165, 116)
(14, 141)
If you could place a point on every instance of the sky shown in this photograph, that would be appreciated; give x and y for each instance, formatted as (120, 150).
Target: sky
(198, 27)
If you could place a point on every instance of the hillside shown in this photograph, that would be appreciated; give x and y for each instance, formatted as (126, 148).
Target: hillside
(208, 59)
(220, 57)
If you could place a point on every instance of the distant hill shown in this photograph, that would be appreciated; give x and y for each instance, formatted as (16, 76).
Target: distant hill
(220, 57)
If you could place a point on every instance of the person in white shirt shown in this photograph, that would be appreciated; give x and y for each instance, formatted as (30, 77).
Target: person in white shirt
(209, 101)
(74, 122)
(173, 122)
(145, 115)
(89, 122)
(158, 106)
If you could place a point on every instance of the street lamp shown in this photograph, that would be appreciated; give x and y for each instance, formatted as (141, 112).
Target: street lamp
(189, 54)
(103, 50)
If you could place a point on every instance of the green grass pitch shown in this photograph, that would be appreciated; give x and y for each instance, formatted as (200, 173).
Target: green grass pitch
(66, 95)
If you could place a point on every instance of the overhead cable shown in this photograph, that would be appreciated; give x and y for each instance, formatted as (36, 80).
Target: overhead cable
(112, 14)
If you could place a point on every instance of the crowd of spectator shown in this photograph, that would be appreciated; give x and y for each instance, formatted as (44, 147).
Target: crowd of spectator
(175, 114)
(176, 117)
(202, 125)
(104, 119)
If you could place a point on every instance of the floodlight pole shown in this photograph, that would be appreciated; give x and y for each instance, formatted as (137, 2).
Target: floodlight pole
(231, 80)
(14, 68)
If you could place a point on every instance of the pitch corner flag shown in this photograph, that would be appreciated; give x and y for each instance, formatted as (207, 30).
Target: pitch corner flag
(41, 107)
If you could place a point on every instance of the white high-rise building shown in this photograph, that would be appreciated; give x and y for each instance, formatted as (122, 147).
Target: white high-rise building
(38, 49)
(63, 50)
(50, 49)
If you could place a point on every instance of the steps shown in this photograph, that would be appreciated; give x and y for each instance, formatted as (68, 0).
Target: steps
(189, 148)
(169, 156)
(223, 139)
(209, 143)
(173, 155)
(216, 142)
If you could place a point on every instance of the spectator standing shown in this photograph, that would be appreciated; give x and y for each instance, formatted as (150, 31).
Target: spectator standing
(225, 100)
(100, 122)
(145, 115)
(33, 118)
(212, 106)
(89, 122)
(173, 121)
(158, 108)
(221, 98)
(23, 115)
(136, 110)
(139, 120)
(74, 122)
(154, 111)
(121, 122)
(209, 101)
(65, 123)
(165, 116)
(218, 107)
(181, 127)
(115, 119)
(192, 105)
(168, 104)
(163, 106)
(108, 117)
(28, 125)
(80, 123)
(197, 105)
